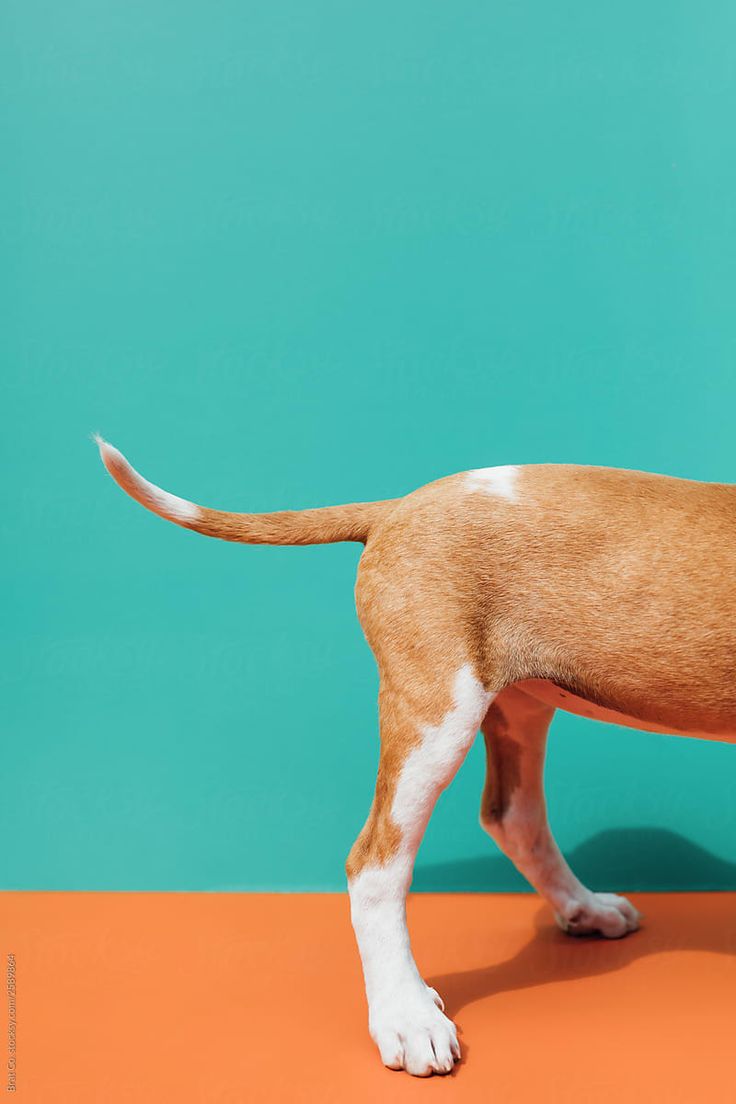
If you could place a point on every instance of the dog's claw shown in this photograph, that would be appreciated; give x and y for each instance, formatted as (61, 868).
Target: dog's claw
(436, 998)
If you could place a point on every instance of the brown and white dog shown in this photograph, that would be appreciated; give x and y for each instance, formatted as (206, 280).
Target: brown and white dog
(490, 599)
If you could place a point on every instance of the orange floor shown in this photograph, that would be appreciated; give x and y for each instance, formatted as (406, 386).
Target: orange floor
(238, 999)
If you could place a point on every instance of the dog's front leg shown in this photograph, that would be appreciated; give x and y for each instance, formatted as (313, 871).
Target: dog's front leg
(417, 760)
(513, 812)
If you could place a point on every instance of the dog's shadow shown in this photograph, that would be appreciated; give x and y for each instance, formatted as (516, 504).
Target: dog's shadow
(623, 859)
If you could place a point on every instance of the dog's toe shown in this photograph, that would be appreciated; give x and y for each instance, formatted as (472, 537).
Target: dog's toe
(390, 1048)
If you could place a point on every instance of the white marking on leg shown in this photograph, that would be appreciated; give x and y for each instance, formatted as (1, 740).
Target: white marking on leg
(405, 1019)
(433, 764)
(524, 835)
(499, 481)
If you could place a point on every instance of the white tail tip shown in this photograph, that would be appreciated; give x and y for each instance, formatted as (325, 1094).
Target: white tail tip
(148, 494)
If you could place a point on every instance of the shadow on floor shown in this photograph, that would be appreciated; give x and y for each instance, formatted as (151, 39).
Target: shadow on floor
(683, 923)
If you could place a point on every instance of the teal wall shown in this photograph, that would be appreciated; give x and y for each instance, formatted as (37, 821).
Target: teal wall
(286, 254)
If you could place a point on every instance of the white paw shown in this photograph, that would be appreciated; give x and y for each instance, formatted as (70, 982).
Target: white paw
(412, 1033)
(604, 913)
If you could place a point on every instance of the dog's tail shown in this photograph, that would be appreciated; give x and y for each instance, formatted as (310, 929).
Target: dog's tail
(324, 525)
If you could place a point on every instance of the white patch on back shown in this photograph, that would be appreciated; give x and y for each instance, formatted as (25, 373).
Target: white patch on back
(499, 481)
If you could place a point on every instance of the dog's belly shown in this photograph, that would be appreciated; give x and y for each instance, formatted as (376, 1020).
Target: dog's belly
(551, 694)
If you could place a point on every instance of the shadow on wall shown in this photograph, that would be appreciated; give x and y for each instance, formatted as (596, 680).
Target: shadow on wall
(625, 859)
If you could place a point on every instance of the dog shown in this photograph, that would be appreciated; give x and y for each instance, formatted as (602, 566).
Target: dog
(490, 599)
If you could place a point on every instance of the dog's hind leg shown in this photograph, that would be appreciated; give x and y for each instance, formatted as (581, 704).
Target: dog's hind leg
(428, 721)
(513, 812)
